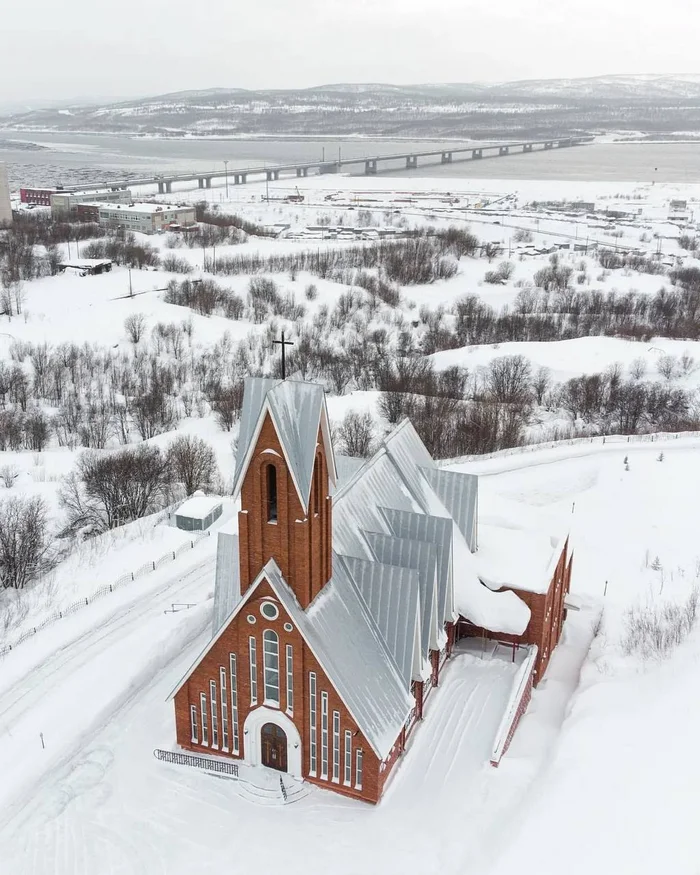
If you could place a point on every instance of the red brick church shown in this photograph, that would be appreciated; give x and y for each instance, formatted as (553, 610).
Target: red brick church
(341, 597)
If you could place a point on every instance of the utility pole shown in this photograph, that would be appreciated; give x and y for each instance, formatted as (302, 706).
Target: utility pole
(283, 343)
(226, 171)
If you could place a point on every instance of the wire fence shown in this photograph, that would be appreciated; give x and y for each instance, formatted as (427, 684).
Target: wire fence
(104, 590)
(572, 442)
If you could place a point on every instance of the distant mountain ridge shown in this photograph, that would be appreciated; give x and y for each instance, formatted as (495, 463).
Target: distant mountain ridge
(536, 107)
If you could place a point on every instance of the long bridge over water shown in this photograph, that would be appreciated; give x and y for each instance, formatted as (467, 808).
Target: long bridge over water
(372, 164)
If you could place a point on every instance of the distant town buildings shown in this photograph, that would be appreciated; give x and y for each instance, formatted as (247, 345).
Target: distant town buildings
(5, 205)
(66, 203)
(678, 211)
(37, 197)
(146, 218)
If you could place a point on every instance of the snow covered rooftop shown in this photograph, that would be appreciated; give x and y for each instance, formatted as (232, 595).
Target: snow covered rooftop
(518, 558)
(198, 507)
(140, 208)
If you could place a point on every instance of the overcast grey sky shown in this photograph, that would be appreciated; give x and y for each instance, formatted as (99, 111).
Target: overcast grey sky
(53, 50)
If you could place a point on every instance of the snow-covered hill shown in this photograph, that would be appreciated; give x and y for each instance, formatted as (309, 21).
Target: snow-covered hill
(376, 109)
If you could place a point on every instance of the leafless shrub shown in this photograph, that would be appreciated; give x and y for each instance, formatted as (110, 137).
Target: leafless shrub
(8, 475)
(653, 631)
(25, 546)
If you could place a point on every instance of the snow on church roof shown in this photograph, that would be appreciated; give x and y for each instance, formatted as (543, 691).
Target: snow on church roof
(437, 531)
(297, 409)
(421, 557)
(392, 595)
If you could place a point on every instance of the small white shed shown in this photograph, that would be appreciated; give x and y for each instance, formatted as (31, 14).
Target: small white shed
(198, 513)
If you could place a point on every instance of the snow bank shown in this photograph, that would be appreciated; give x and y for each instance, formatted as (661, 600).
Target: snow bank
(497, 611)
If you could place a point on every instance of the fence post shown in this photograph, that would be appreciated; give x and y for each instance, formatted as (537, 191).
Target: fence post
(132, 575)
(154, 565)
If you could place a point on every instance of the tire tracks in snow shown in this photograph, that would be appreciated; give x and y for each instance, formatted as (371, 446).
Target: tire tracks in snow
(78, 650)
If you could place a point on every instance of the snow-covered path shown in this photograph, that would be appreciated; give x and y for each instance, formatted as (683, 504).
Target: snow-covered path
(110, 807)
(85, 679)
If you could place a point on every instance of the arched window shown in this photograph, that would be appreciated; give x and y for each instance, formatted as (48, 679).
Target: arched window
(271, 489)
(271, 656)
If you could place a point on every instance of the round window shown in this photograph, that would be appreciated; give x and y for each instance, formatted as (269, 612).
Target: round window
(269, 611)
(288, 627)
(251, 619)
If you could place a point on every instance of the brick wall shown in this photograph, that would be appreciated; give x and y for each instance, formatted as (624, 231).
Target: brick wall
(299, 543)
(235, 639)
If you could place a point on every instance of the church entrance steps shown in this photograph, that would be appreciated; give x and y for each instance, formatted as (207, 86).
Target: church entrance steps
(257, 784)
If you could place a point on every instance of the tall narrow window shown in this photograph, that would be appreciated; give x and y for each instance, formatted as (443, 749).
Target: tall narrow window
(348, 758)
(205, 723)
(290, 679)
(312, 722)
(317, 486)
(336, 745)
(224, 709)
(193, 724)
(271, 484)
(358, 770)
(253, 671)
(271, 658)
(324, 736)
(214, 715)
(234, 701)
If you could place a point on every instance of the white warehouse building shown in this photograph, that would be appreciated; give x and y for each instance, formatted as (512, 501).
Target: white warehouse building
(146, 218)
(5, 205)
(64, 203)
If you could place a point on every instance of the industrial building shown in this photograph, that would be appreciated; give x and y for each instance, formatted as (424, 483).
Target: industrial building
(5, 205)
(65, 203)
(37, 197)
(146, 218)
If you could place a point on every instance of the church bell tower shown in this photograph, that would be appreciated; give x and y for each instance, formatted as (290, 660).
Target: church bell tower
(284, 471)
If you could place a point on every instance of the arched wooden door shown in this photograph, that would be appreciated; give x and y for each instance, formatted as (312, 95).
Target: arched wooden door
(274, 747)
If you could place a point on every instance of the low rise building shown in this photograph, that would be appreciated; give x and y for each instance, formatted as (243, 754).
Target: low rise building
(146, 218)
(38, 197)
(5, 205)
(65, 203)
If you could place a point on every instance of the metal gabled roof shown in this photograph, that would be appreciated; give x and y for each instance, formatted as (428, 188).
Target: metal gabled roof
(255, 391)
(297, 410)
(392, 595)
(459, 492)
(421, 557)
(227, 589)
(355, 505)
(339, 629)
(347, 467)
(436, 531)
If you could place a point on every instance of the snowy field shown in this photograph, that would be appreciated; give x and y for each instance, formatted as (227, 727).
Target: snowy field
(584, 762)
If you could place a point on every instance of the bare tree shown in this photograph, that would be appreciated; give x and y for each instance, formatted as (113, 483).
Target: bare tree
(25, 546)
(666, 366)
(508, 379)
(110, 489)
(192, 463)
(135, 327)
(356, 434)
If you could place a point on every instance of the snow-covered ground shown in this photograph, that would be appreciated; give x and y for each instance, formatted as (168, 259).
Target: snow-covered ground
(586, 768)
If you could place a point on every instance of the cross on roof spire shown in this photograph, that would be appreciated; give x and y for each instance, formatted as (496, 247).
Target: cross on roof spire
(283, 343)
